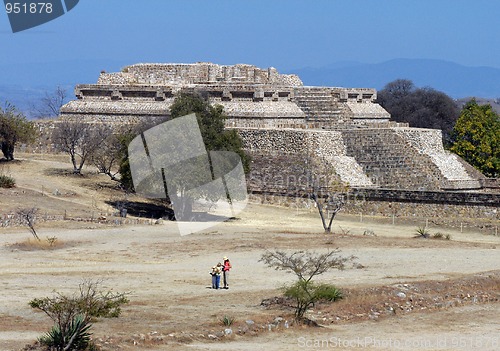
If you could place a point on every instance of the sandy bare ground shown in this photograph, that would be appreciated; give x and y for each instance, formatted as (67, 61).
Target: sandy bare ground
(172, 307)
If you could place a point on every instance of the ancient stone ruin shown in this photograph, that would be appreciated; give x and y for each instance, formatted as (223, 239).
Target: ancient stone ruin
(279, 118)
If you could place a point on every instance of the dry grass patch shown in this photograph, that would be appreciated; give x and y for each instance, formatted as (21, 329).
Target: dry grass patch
(48, 243)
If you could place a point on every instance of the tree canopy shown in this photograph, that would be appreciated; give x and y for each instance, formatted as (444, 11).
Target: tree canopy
(476, 138)
(211, 121)
(14, 128)
(420, 107)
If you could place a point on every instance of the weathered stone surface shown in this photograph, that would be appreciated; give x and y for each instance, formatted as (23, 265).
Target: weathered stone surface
(280, 120)
(252, 97)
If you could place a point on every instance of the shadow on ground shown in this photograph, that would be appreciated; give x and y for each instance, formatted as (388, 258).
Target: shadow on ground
(143, 209)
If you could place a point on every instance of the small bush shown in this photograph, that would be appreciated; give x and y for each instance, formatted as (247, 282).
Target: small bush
(73, 315)
(306, 294)
(422, 232)
(438, 236)
(369, 232)
(77, 337)
(7, 182)
(227, 320)
(441, 236)
(328, 292)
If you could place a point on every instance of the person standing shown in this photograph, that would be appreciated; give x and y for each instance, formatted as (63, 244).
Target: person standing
(215, 273)
(225, 272)
(214, 277)
(218, 271)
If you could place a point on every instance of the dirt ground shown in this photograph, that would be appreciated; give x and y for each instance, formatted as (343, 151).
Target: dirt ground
(451, 287)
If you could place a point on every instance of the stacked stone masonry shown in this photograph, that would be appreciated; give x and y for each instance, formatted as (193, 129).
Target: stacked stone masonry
(252, 97)
(279, 119)
(384, 158)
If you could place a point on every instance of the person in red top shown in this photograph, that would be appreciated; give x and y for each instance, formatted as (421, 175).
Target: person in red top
(226, 266)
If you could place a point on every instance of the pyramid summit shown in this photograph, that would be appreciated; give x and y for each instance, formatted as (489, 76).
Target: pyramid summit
(278, 118)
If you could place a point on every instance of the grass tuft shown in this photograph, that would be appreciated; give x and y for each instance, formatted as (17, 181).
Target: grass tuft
(7, 182)
(227, 320)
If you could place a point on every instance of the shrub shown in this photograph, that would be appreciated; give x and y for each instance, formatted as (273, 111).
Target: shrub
(438, 235)
(7, 182)
(307, 265)
(441, 236)
(422, 232)
(76, 337)
(227, 320)
(307, 293)
(73, 315)
(369, 232)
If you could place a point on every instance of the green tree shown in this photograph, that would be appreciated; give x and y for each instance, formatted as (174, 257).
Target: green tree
(211, 121)
(14, 129)
(124, 136)
(476, 138)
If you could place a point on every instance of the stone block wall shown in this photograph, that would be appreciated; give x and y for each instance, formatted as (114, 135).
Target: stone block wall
(245, 91)
(452, 208)
(202, 72)
(396, 158)
(339, 107)
(284, 154)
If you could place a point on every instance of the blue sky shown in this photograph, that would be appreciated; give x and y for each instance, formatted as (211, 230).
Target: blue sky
(284, 34)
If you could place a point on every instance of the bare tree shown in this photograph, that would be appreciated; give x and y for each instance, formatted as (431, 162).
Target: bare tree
(305, 264)
(329, 202)
(27, 216)
(325, 189)
(80, 140)
(108, 156)
(50, 105)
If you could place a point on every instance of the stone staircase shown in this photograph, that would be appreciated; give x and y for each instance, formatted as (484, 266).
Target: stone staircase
(320, 107)
(389, 162)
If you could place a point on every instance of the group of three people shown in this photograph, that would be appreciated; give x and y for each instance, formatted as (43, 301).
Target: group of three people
(218, 270)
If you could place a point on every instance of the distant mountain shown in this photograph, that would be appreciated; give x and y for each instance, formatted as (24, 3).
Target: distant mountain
(25, 84)
(453, 79)
(494, 103)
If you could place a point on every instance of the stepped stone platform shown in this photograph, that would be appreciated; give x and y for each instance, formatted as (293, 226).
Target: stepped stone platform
(252, 97)
(281, 120)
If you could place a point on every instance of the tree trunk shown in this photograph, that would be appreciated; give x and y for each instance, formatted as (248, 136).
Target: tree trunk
(321, 214)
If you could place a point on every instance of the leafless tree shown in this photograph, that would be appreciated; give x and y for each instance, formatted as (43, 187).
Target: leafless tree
(325, 189)
(27, 216)
(80, 140)
(108, 156)
(305, 264)
(50, 105)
